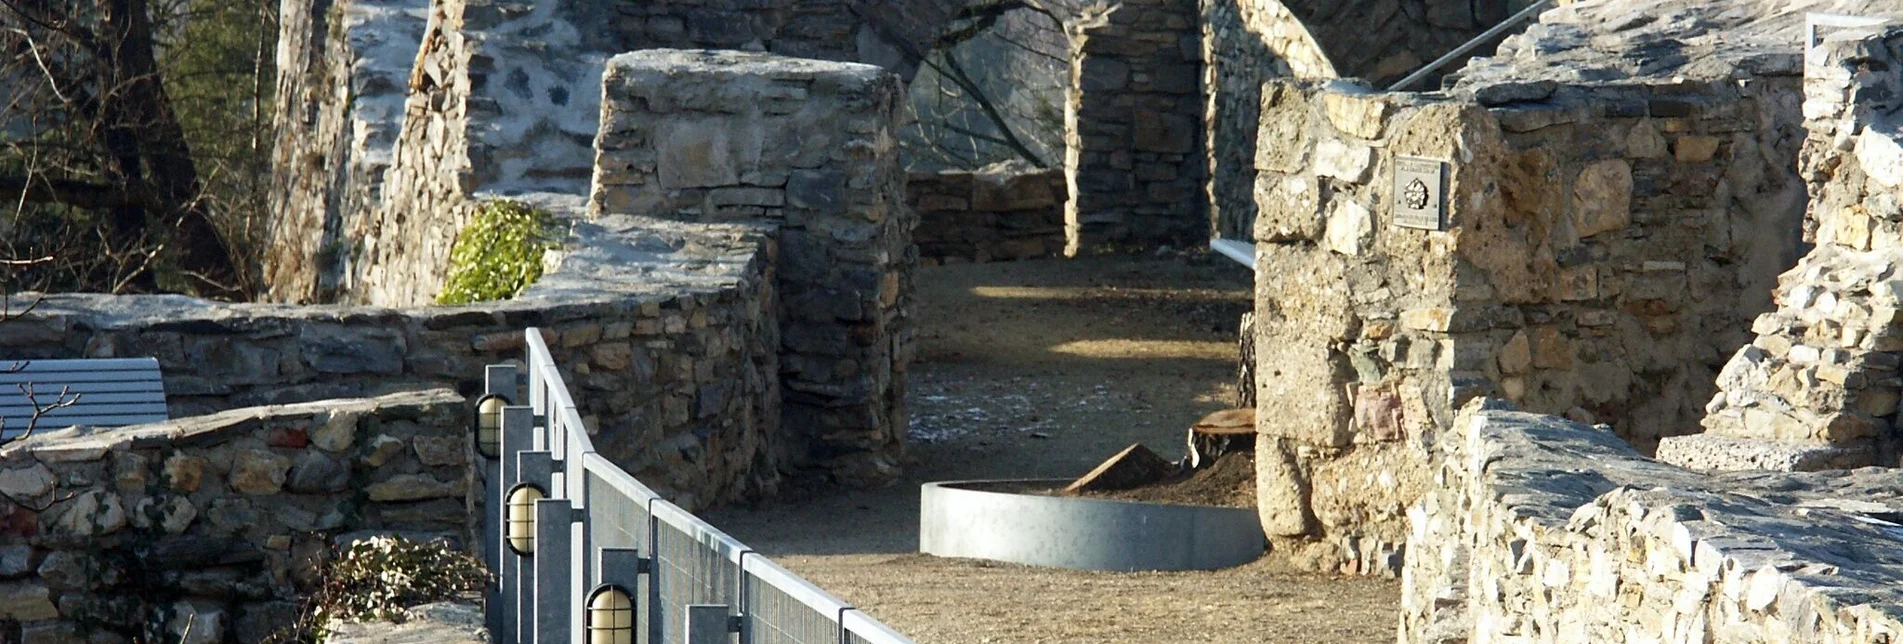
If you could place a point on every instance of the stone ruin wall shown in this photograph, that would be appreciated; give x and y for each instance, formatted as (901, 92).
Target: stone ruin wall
(1605, 248)
(1133, 131)
(668, 336)
(1543, 529)
(1818, 387)
(1249, 42)
(212, 527)
(811, 146)
(993, 214)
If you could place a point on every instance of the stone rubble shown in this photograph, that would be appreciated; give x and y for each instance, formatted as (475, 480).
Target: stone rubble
(1818, 387)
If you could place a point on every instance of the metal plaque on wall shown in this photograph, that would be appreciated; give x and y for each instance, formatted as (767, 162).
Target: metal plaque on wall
(1420, 187)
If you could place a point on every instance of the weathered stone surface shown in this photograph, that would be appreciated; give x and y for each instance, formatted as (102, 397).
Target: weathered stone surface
(258, 472)
(93, 513)
(26, 482)
(26, 601)
(447, 623)
(1282, 495)
(413, 487)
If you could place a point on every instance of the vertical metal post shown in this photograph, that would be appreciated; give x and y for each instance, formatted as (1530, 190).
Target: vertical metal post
(623, 567)
(518, 423)
(657, 621)
(554, 549)
(581, 566)
(498, 379)
(708, 624)
(535, 467)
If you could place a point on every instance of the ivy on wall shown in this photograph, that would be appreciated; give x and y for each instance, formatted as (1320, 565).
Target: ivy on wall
(499, 254)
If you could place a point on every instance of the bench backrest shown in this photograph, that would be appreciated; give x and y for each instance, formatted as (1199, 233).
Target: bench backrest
(111, 392)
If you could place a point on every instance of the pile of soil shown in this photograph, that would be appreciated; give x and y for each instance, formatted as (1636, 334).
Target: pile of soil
(1229, 482)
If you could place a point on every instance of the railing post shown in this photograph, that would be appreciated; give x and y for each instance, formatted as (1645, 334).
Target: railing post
(657, 621)
(518, 426)
(536, 467)
(498, 380)
(555, 613)
(709, 624)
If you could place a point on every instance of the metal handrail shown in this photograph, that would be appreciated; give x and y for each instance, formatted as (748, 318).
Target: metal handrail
(563, 440)
(1489, 34)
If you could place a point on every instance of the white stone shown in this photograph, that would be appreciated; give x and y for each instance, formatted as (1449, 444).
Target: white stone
(1342, 161)
(1349, 227)
(1881, 157)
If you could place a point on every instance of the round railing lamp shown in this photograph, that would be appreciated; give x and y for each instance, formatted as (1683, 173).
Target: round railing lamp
(521, 524)
(610, 615)
(488, 428)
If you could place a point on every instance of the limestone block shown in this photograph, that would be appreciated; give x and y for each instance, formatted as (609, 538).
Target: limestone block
(1350, 228)
(1347, 162)
(1282, 493)
(1881, 155)
(1602, 198)
(258, 472)
(1360, 115)
(1288, 208)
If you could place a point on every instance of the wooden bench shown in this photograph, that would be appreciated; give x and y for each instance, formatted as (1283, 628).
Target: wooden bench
(106, 392)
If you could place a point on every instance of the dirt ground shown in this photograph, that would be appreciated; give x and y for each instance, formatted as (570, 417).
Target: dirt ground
(1042, 369)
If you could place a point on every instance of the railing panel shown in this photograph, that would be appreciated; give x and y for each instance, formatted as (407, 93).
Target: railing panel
(782, 608)
(694, 564)
(861, 628)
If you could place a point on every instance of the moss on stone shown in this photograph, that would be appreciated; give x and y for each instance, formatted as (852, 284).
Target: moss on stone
(499, 254)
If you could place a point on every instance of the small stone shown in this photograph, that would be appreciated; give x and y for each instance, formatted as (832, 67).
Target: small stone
(1695, 149)
(315, 473)
(26, 601)
(1342, 161)
(337, 433)
(1602, 198)
(278, 542)
(437, 451)
(62, 570)
(258, 472)
(613, 356)
(130, 471)
(413, 487)
(196, 622)
(94, 513)
(26, 482)
(15, 561)
(382, 449)
(1517, 355)
(184, 473)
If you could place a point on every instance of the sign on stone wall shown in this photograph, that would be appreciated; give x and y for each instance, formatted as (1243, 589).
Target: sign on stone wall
(1420, 187)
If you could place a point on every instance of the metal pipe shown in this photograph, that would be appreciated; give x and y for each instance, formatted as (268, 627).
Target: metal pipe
(1449, 57)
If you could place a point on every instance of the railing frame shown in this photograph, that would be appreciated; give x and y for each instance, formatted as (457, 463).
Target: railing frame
(541, 598)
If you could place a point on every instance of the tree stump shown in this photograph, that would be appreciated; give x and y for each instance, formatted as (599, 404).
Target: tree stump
(1224, 432)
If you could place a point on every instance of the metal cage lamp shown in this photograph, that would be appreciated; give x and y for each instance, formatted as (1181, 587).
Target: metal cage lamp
(521, 521)
(488, 429)
(610, 615)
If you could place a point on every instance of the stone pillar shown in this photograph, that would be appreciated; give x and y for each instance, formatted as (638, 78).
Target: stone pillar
(1818, 388)
(809, 145)
(1133, 128)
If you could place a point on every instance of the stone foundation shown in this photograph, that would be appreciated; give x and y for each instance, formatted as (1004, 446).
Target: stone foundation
(1001, 213)
(810, 146)
(215, 525)
(1542, 529)
(1818, 387)
(1133, 130)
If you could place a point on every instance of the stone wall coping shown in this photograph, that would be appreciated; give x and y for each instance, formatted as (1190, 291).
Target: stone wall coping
(1556, 475)
(723, 65)
(92, 443)
(620, 260)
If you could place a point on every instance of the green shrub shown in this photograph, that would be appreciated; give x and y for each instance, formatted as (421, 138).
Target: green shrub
(377, 578)
(499, 254)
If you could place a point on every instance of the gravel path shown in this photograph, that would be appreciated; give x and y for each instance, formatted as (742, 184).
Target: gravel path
(1043, 369)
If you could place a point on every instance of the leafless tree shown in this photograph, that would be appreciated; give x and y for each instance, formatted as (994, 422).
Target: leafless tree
(88, 132)
(992, 87)
(66, 396)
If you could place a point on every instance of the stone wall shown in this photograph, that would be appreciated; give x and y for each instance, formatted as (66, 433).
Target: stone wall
(1133, 129)
(811, 146)
(342, 78)
(1541, 529)
(1604, 249)
(211, 527)
(997, 213)
(1818, 388)
(1248, 42)
(670, 334)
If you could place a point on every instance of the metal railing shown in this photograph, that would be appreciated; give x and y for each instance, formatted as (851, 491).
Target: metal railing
(599, 530)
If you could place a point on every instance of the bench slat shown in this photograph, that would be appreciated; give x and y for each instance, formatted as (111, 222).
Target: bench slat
(48, 388)
(14, 399)
(77, 376)
(82, 364)
(15, 410)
